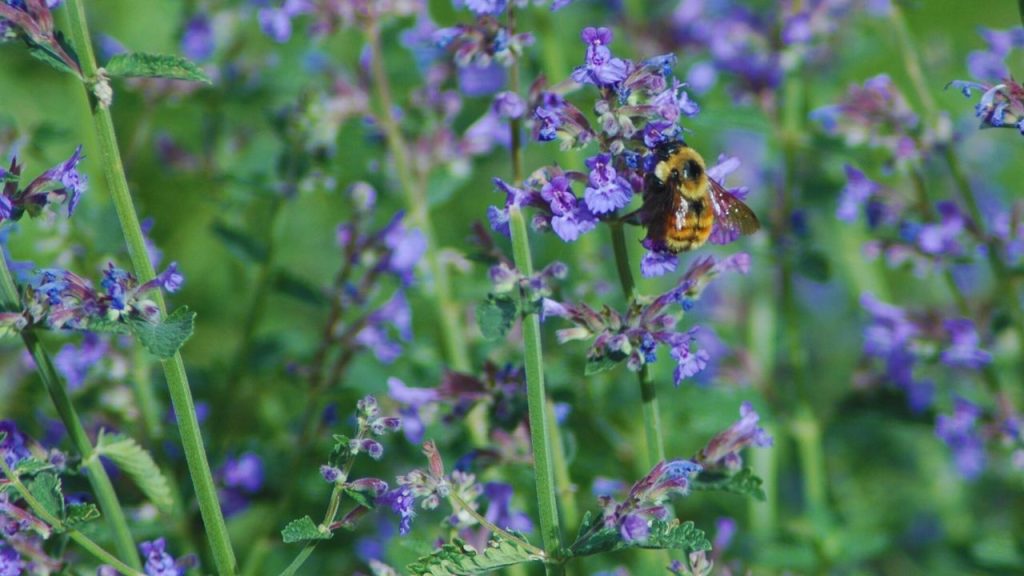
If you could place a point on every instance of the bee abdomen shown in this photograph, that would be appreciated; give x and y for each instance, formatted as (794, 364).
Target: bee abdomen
(695, 228)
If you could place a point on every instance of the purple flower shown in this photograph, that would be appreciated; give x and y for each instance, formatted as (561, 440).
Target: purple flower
(477, 80)
(600, 67)
(402, 502)
(963, 351)
(10, 561)
(960, 432)
(14, 447)
(634, 528)
(859, 188)
(940, 239)
(74, 362)
(508, 105)
(569, 217)
(658, 263)
(723, 449)
(158, 561)
(606, 190)
(244, 472)
(499, 508)
(197, 43)
(484, 7)
(277, 22)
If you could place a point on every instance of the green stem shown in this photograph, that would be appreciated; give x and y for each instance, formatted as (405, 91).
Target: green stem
(97, 475)
(142, 384)
(648, 393)
(536, 400)
(55, 523)
(566, 490)
(417, 204)
(174, 367)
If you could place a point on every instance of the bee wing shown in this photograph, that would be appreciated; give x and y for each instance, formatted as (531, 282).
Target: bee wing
(733, 218)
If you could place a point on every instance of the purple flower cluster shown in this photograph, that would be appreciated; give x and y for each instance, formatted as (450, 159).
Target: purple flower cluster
(1000, 106)
(875, 114)
(723, 451)
(61, 299)
(961, 431)
(481, 43)
(635, 335)
(902, 341)
(647, 499)
(369, 258)
(160, 563)
(61, 185)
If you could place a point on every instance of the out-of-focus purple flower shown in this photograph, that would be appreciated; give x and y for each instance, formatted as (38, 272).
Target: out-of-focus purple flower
(481, 80)
(277, 22)
(197, 43)
(875, 113)
(14, 447)
(858, 190)
(74, 362)
(941, 239)
(244, 472)
(499, 508)
(509, 105)
(964, 350)
(10, 561)
(960, 432)
(722, 451)
(484, 7)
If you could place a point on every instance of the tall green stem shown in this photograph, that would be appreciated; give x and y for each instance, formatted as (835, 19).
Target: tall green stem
(648, 393)
(97, 475)
(536, 401)
(416, 202)
(174, 367)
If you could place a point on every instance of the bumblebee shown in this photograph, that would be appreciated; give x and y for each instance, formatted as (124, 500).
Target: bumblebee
(683, 207)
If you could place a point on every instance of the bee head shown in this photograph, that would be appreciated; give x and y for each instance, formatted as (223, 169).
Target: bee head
(683, 169)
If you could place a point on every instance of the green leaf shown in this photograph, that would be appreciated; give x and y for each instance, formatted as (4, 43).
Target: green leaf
(361, 498)
(603, 363)
(164, 339)
(673, 535)
(48, 55)
(46, 489)
(79, 514)
(108, 326)
(30, 466)
(299, 288)
(495, 316)
(744, 483)
(136, 462)
(302, 530)
(240, 243)
(143, 65)
(459, 558)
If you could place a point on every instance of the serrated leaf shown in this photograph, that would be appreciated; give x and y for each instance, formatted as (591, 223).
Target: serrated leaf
(165, 338)
(299, 288)
(671, 535)
(46, 489)
(302, 530)
(144, 65)
(495, 316)
(458, 558)
(137, 463)
(79, 514)
(30, 466)
(240, 243)
(108, 326)
(744, 483)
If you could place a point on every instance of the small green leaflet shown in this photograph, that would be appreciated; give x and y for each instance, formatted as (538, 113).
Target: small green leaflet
(674, 535)
(46, 489)
(48, 55)
(361, 498)
(143, 65)
(496, 315)
(603, 363)
(459, 558)
(139, 465)
(79, 514)
(302, 530)
(31, 465)
(744, 483)
(164, 339)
